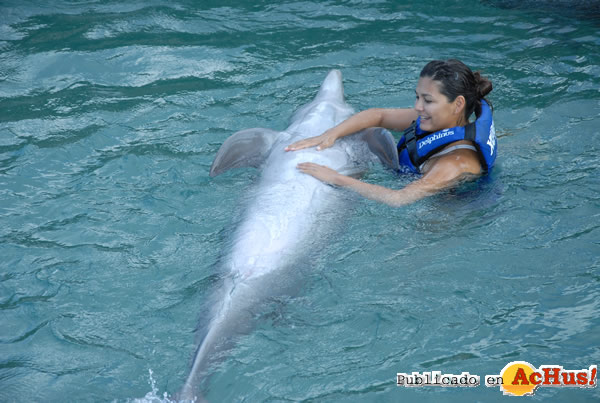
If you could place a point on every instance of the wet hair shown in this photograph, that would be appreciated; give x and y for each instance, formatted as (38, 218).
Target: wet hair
(458, 79)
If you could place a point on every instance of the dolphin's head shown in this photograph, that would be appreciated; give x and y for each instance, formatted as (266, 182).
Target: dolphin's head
(327, 109)
(332, 87)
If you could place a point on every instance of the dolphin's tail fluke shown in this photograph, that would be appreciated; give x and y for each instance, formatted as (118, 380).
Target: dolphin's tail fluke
(232, 318)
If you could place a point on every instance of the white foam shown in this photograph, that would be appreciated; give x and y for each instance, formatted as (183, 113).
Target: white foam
(153, 396)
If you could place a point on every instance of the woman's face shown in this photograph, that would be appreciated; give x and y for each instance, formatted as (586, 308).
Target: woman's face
(433, 107)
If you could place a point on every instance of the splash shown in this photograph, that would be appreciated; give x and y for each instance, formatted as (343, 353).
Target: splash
(153, 395)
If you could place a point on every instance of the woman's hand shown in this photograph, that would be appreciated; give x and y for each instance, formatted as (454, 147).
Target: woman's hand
(322, 142)
(321, 172)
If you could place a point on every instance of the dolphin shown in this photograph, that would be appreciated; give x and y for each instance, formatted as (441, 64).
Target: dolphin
(287, 216)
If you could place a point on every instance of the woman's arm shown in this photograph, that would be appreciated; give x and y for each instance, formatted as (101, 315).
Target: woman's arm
(446, 171)
(394, 119)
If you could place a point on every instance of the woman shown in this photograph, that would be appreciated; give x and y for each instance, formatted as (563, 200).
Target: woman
(447, 94)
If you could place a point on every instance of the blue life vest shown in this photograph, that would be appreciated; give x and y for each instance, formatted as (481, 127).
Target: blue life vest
(416, 146)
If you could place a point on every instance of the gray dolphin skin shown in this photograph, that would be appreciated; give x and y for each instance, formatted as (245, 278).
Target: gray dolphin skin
(287, 216)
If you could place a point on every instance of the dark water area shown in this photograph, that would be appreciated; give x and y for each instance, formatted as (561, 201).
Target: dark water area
(584, 9)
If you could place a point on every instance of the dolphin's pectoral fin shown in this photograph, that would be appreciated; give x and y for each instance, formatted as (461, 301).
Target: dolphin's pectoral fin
(246, 148)
(382, 144)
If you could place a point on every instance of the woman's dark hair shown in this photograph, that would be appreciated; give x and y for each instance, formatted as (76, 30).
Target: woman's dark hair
(458, 79)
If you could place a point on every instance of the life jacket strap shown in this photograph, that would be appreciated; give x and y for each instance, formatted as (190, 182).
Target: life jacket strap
(411, 143)
(470, 132)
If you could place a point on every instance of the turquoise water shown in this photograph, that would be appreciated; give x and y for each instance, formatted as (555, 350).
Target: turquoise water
(111, 114)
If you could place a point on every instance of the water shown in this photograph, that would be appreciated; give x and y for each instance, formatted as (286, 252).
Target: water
(111, 114)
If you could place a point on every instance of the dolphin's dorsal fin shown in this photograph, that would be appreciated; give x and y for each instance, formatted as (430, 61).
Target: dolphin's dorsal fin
(246, 148)
(382, 144)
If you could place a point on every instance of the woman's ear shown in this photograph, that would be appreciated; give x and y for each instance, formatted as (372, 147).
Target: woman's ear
(459, 104)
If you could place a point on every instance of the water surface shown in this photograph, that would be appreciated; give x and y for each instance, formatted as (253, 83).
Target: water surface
(110, 116)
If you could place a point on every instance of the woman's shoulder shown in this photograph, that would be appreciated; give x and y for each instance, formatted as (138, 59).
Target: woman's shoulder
(460, 157)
